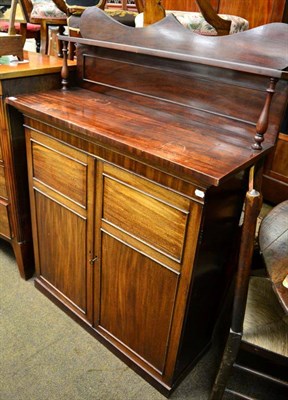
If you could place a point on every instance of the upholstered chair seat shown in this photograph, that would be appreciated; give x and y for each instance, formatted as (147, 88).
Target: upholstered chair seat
(4, 25)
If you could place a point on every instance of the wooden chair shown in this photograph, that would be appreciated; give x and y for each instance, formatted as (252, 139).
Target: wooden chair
(74, 9)
(206, 22)
(131, 5)
(257, 345)
(12, 43)
(45, 13)
(118, 11)
(22, 27)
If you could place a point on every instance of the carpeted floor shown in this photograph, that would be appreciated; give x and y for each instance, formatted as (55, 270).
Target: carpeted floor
(45, 355)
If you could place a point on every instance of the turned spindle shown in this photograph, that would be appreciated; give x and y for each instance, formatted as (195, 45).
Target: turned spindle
(64, 70)
(263, 121)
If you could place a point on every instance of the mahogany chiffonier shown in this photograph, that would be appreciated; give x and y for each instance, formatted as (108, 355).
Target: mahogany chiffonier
(137, 177)
(40, 73)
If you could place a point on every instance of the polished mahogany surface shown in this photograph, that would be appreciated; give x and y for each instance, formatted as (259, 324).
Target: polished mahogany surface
(154, 137)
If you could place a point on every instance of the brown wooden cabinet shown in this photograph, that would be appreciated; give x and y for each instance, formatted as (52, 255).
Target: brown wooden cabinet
(116, 242)
(137, 177)
(37, 74)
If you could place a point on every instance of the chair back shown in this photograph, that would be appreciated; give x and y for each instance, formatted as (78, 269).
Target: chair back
(26, 7)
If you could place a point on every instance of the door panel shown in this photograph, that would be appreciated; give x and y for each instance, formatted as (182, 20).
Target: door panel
(141, 231)
(62, 195)
(62, 249)
(132, 307)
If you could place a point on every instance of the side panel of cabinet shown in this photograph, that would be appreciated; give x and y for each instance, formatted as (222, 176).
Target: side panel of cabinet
(61, 181)
(144, 267)
(275, 177)
(5, 229)
(4, 218)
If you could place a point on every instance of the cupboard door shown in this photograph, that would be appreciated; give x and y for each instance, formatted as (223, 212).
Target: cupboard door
(61, 184)
(140, 243)
(133, 307)
(5, 229)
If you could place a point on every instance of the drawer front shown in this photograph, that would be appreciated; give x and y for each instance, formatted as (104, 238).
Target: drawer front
(147, 212)
(4, 220)
(60, 168)
(3, 190)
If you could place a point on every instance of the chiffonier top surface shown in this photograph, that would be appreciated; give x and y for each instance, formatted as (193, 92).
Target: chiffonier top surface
(194, 150)
(128, 99)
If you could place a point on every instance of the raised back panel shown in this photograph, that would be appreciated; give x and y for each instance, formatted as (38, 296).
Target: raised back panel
(193, 76)
(184, 88)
